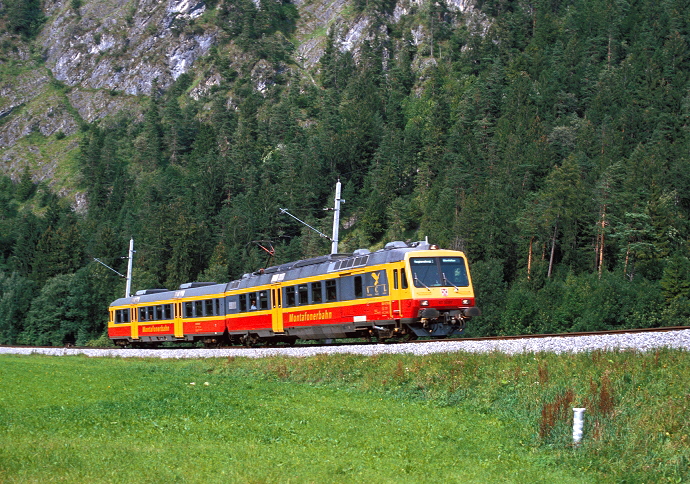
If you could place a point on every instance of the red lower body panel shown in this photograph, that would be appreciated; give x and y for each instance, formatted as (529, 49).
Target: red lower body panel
(203, 327)
(250, 322)
(120, 331)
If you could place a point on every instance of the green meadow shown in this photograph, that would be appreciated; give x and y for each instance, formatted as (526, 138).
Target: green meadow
(453, 417)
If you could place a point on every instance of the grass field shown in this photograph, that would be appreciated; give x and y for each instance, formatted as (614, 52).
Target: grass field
(340, 418)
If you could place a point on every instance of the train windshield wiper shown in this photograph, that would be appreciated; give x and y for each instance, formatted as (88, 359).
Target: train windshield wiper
(417, 280)
(448, 281)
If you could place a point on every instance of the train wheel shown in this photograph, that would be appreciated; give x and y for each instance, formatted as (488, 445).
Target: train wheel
(249, 340)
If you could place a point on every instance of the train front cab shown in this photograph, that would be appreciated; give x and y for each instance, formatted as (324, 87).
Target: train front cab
(433, 294)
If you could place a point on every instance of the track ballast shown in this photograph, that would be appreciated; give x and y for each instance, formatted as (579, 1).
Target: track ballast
(622, 340)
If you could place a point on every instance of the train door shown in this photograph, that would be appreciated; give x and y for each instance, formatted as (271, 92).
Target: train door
(177, 320)
(277, 309)
(397, 292)
(134, 321)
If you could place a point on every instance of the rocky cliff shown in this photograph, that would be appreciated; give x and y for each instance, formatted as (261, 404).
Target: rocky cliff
(94, 58)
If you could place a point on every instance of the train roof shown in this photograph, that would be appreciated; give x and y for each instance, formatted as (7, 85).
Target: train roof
(331, 263)
(188, 289)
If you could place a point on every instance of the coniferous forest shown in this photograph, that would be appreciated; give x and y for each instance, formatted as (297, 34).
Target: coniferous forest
(552, 146)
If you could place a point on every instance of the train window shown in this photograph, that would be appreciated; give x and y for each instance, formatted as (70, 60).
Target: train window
(252, 301)
(439, 271)
(425, 272)
(358, 286)
(218, 311)
(142, 314)
(331, 290)
(290, 296)
(243, 302)
(167, 311)
(395, 278)
(188, 309)
(150, 314)
(198, 309)
(159, 312)
(316, 296)
(118, 316)
(453, 271)
(303, 291)
(208, 307)
(403, 279)
(263, 300)
(125, 315)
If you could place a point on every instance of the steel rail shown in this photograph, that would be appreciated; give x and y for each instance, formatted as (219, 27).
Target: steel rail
(394, 341)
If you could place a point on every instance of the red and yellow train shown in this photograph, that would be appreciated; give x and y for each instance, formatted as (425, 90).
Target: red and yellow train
(403, 290)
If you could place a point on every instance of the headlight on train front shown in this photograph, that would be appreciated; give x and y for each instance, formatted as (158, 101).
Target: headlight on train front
(424, 303)
(466, 302)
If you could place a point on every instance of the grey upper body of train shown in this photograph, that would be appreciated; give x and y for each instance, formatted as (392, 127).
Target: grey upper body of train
(332, 263)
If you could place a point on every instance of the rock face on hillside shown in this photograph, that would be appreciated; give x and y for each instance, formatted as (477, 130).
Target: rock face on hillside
(103, 57)
(111, 45)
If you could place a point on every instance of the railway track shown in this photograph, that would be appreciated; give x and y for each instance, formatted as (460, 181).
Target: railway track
(629, 339)
(581, 333)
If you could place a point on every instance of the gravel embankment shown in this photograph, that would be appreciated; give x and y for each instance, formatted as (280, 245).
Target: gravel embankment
(560, 344)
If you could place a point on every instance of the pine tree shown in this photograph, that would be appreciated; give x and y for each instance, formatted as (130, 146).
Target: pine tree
(16, 294)
(48, 322)
(24, 17)
(28, 232)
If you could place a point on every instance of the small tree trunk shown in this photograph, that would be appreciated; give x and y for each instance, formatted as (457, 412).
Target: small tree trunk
(601, 241)
(553, 249)
(529, 259)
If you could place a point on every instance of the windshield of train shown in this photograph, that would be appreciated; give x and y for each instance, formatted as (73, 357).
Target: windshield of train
(439, 271)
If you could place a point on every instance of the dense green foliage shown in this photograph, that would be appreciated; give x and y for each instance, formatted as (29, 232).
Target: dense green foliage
(22, 16)
(452, 417)
(554, 148)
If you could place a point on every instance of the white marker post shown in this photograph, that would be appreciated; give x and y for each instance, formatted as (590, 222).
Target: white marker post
(578, 421)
